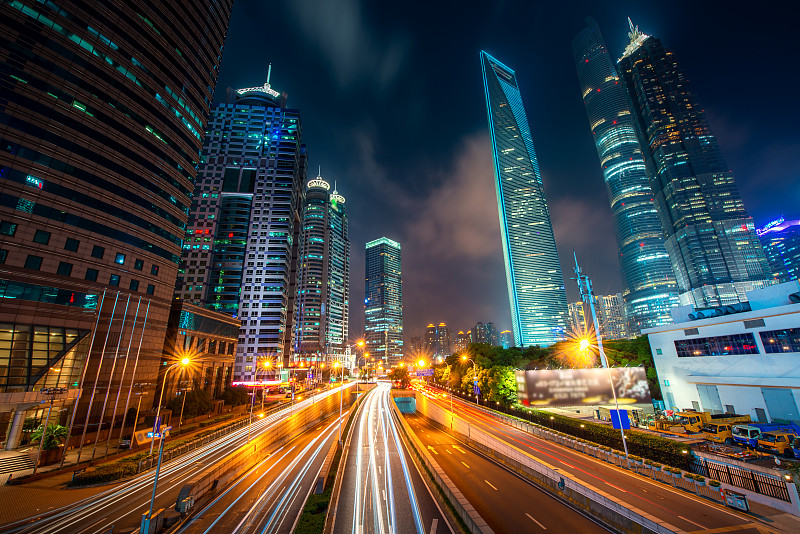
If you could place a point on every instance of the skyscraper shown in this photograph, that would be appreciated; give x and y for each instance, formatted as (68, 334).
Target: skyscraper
(533, 273)
(710, 238)
(241, 246)
(781, 241)
(102, 115)
(611, 315)
(650, 287)
(383, 301)
(485, 333)
(323, 279)
(438, 341)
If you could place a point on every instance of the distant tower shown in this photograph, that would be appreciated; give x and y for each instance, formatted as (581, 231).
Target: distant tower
(383, 301)
(650, 287)
(533, 272)
(323, 276)
(710, 238)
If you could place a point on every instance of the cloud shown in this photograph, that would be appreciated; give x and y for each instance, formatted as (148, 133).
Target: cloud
(353, 52)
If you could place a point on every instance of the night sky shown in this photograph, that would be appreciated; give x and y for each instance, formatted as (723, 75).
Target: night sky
(393, 110)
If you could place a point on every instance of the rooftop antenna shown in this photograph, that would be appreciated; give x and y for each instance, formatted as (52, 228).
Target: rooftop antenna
(319, 172)
(269, 69)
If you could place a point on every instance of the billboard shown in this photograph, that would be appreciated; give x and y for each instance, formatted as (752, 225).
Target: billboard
(574, 387)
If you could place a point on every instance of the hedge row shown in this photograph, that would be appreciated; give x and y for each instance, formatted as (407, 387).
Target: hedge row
(657, 448)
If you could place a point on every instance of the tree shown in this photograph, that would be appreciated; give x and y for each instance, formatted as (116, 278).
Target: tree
(400, 375)
(235, 395)
(502, 385)
(197, 403)
(52, 437)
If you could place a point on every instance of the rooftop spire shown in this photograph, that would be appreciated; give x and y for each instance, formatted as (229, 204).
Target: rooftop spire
(269, 69)
(636, 37)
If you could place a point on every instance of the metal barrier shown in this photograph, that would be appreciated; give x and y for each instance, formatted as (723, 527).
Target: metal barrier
(755, 481)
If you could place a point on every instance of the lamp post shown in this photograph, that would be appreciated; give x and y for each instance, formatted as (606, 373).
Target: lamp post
(52, 392)
(267, 365)
(585, 287)
(341, 396)
(145, 524)
(183, 362)
(475, 375)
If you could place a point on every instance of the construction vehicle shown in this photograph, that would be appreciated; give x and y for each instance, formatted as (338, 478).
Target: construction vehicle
(796, 448)
(692, 422)
(719, 433)
(748, 435)
(777, 442)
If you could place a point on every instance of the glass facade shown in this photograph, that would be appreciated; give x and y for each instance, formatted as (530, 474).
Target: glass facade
(383, 301)
(717, 346)
(650, 289)
(241, 244)
(533, 272)
(781, 241)
(710, 238)
(323, 286)
(780, 341)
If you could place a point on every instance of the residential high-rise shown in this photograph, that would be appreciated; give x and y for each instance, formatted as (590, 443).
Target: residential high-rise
(323, 284)
(533, 272)
(104, 105)
(383, 301)
(507, 339)
(461, 341)
(485, 333)
(650, 287)
(612, 316)
(710, 238)
(577, 318)
(438, 342)
(241, 247)
(781, 241)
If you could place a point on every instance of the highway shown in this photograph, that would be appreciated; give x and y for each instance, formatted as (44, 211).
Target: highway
(382, 491)
(681, 509)
(122, 506)
(269, 498)
(505, 501)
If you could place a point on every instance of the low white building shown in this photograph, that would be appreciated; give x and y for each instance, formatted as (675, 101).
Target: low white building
(741, 359)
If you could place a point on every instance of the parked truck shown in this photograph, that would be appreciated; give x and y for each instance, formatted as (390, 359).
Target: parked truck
(692, 422)
(719, 433)
(748, 435)
(777, 442)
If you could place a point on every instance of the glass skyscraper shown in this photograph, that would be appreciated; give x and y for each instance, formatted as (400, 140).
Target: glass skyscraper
(710, 239)
(103, 106)
(323, 276)
(241, 247)
(383, 301)
(650, 288)
(781, 241)
(533, 272)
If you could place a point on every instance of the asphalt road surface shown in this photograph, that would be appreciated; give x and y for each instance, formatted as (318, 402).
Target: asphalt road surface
(382, 491)
(505, 501)
(123, 505)
(681, 509)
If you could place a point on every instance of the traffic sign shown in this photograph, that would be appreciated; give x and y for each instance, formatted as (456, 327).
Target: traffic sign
(475, 388)
(425, 372)
(616, 416)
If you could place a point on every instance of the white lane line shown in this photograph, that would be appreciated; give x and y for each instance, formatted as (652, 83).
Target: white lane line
(535, 521)
(465, 465)
(459, 449)
(448, 451)
(692, 522)
(434, 525)
(490, 484)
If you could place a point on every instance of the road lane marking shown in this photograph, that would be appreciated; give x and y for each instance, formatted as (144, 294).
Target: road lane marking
(459, 449)
(465, 465)
(434, 524)
(490, 484)
(535, 521)
(432, 450)
(448, 451)
(692, 522)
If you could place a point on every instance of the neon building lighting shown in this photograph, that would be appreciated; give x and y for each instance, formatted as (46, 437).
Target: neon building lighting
(650, 286)
(533, 273)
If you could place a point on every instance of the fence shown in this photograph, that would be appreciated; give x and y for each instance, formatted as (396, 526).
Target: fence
(755, 481)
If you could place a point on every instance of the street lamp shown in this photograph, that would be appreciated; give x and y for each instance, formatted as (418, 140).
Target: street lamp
(145, 524)
(341, 395)
(267, 365)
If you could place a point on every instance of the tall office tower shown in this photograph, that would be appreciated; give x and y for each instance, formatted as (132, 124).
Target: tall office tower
(781, 241)
(444, 342)
(486, 333)
(710, 239)
(323, 279)
(577, 317)
(102, 111)
(383, 301)
(507, 339)
(650, 287)
(241, 244)
(533, 273)
(429, 340)
(612, 316)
